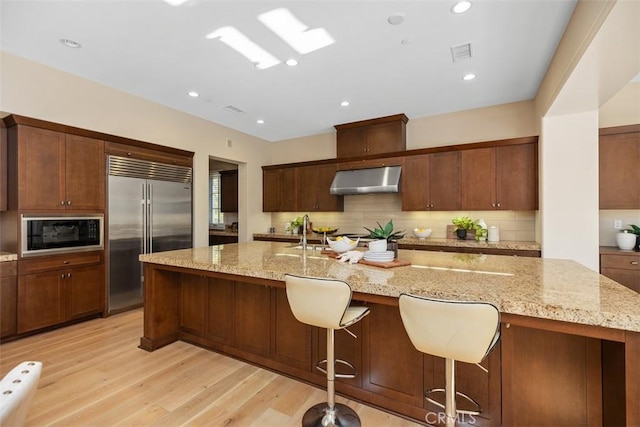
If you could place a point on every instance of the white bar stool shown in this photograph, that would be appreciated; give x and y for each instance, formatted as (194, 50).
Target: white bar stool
(453, 330)
(324, 303)
(17, 389)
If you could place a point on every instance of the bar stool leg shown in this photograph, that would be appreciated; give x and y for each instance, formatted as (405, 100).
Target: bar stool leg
(330, 414)
(450, 390)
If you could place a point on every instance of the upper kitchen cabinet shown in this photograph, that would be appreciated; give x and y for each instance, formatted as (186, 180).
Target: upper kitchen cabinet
(3, 167)
(229, 191)
(431, 182)
(375, 136)
(504, 177)
(314, 195)
(619, 167)
(56, 170)
(279, 189)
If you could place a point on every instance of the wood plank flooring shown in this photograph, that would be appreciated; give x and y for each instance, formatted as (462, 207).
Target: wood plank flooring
(95, 375)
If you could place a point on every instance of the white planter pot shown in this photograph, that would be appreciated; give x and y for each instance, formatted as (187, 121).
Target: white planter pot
(626, 241)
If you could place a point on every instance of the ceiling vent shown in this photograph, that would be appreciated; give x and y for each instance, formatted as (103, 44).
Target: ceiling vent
(233, 109)
(460, 52)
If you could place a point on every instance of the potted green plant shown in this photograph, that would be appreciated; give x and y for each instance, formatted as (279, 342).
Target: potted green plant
(462, 225)
(295, 225)
(387, 233)
(635, 229)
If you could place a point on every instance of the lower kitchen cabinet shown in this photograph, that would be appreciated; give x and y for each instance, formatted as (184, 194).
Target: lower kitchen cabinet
(56, 289)
(8, 298)
(624, 268)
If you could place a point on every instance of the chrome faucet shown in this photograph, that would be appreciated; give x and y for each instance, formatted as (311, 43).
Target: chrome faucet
(305, 224)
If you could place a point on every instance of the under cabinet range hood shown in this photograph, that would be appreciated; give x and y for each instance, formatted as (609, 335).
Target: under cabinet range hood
(364, 181)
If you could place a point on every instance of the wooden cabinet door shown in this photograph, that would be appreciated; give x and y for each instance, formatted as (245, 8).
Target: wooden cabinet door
(220, 310)
(8, 305)
(271, 186)
(415, 183)
(385, 138)
(41, 165)
(252, 318)
(392, 365)
(351, 142)
(619, 171)
(290, 339)
(40, 300)
(517, 177)
(479, 179)
(445, 181)
(314, 183)
(325, 201)
(288, 190)
(85, 291)
(84, 173)
(229, 191)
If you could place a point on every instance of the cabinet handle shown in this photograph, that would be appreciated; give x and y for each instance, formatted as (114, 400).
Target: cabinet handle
(634, 262)
(498, 204)
(65, 262)
(62, 276)
(129, 154)
(62, 202)
(493, 205)
(508, 325)
(69, 202)
(68, 275)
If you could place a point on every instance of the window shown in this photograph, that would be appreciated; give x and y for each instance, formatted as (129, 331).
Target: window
(215, 216)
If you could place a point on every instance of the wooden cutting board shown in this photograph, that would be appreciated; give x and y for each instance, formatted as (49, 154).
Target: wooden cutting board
(389, 264)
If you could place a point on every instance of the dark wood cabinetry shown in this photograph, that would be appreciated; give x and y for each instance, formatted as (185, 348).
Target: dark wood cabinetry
(4, 174)
(279, 190)
(500, 178)
(229, 191)
(57, 289)
(313, 191)
(150, 152)
(8, 298)
(624, 268)
(375, 136)
(57, 171)
(431, 182)
(619, 173)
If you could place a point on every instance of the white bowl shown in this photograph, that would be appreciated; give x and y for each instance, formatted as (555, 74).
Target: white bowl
(377, 245)
(422, 233)
(343, 245)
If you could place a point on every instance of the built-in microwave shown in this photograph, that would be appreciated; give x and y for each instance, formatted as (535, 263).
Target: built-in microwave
(44, 235)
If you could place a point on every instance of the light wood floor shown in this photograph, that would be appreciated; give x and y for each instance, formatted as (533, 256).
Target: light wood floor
(95, 375)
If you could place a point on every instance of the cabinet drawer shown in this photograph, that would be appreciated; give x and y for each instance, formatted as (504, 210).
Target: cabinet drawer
(123, 150)
(8, 268)
(35, 265)
(627, 262)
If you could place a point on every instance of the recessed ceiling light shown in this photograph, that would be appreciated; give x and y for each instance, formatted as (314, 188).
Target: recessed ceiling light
(296, 34)
(396, 19)
(260, 121)
(344, 103)
(291, 62)
(70, 43)
(461, 7)
(469, 76)
(243, 45)
(194, 94)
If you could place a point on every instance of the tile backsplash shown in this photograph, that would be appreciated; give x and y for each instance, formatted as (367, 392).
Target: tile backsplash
(364, 210)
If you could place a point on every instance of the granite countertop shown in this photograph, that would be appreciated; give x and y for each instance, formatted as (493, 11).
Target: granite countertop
(7, 256)
(414, 241)
(543, 288)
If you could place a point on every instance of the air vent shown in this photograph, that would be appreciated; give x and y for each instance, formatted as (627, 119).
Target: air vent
(233, 109)
(460, 52)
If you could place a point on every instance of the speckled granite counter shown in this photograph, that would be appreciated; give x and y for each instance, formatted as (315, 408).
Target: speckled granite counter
(6, 256)
(540, 288)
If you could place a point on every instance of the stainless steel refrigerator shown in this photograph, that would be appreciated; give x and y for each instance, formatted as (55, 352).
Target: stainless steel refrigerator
(150, 210)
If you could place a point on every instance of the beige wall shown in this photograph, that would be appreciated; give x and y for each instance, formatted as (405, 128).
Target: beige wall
(623, 108)
(33, 90)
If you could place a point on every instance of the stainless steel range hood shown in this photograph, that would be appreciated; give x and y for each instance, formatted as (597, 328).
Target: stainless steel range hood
(364, 181)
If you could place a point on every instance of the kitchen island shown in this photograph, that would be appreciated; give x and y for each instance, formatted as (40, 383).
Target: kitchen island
(569, 353)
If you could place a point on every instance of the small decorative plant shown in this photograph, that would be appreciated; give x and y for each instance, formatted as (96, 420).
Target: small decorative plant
(462, 224)
(635, 229)
(295, 224)
(385, 233)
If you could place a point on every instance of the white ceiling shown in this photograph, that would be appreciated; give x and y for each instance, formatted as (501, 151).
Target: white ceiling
(159, 52)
